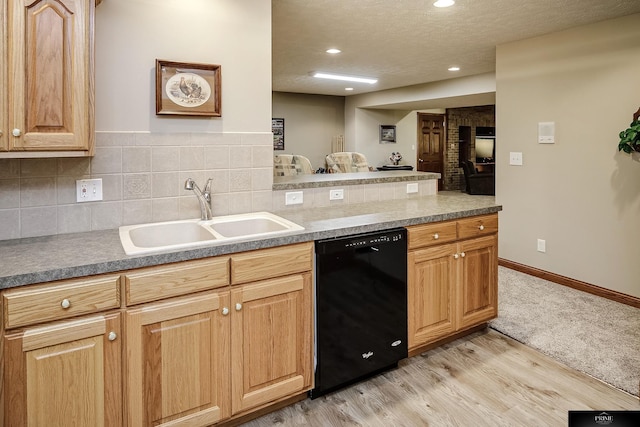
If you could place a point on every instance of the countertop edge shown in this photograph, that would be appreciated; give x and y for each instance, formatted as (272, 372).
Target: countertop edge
(118, 261)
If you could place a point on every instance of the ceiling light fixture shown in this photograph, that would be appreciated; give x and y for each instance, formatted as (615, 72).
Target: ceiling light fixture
(454, 68)
(348, 88)
(332, 50)
(444, 3)
(344, 78)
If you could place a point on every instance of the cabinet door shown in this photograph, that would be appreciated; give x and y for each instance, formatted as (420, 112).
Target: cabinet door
(271, 340)
(64, 374)
(478, 296)
(177, 365)
(432, 278)
(50, 51)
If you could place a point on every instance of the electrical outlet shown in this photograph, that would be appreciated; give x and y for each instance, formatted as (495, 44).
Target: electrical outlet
(88, 190)
(412, 187)
(336, 194)
(293, 198)
(542, 245)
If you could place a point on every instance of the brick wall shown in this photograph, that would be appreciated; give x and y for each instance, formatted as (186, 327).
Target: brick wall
(468, 116)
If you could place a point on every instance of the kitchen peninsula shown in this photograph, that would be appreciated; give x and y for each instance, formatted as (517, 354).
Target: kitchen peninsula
(126, 330)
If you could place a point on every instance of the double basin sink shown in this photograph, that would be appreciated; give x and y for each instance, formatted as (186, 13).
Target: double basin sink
(162, 236)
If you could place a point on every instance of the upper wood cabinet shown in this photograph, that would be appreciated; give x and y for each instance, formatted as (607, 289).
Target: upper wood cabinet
(47, 73)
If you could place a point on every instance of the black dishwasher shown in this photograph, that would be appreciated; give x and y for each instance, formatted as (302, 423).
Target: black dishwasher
(361, 307)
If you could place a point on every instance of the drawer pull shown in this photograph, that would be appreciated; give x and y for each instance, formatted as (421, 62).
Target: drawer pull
(238, 306)
(481, 227)
(65, 303)
(225, 311)
(112, 336)
(436, 236)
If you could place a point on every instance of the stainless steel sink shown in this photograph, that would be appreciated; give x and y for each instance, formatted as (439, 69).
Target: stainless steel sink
(162, 236)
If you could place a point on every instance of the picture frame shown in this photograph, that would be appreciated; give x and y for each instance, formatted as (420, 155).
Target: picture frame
(277, 127)
(387, 134)
(187, 89)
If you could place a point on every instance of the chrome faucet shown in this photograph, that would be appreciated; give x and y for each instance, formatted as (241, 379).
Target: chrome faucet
(204, 197)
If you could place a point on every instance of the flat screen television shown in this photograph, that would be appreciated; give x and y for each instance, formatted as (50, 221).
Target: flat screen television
(485, 149)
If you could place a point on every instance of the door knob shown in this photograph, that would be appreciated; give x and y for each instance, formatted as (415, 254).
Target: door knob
(225, 311)
(238, 306)
(112, 336)
(16, 132)
(420, 160)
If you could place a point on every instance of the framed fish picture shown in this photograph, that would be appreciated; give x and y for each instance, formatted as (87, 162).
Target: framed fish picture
(187, 89)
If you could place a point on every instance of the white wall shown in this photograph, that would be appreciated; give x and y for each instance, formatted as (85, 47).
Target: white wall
(132, 34)
(310, 123)
(580, 194)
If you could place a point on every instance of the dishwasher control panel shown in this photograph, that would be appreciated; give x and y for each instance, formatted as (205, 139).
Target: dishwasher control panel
(364, 240)
(374, 240)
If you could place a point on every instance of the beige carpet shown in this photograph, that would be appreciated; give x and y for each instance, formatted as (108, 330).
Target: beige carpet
(591, 334)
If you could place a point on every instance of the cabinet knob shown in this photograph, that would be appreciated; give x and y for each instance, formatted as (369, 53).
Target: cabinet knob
(238, 306)
(16, 132)
(456, 256)
(462, 254)
(436, 236)
(65, 303)
(112, 336)
(481, 227)
(225, 311)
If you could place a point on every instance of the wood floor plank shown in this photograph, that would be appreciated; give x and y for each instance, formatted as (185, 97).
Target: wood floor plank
(485, 379)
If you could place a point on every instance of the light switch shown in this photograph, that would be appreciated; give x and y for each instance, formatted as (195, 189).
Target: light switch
(515, 158)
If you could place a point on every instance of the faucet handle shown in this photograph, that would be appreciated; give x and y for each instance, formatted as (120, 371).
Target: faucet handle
(207, 190)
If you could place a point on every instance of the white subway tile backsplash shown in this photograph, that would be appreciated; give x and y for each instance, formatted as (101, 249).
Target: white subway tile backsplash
(9, 224)
(38, 221)
(38, 167)
(37, 192)
(9, 193)
(143, 178)
(136, 159)
(216, 157)
(164, 159)
(74, 218)
(107, 160)
(9, 168)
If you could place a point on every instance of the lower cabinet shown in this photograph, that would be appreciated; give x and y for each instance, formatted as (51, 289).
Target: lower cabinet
(177, 361)
(203, 358)
(64, 373)
(453, 285)
(271, 340)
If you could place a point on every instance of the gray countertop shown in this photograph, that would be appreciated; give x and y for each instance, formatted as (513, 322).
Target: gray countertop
(335, 179)
(44, 259)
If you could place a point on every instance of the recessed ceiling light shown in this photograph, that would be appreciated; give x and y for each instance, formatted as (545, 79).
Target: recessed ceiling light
(321, 75)
(444, 3)
(333, 50)
(454, 68)
(348, 88)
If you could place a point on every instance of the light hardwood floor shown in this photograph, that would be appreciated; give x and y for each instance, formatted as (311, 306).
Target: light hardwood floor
(484, 379)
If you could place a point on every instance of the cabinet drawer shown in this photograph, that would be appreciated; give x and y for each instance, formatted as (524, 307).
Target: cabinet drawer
(477, 226)
(60, 300)
(267, 263)
(155, 283)
(431, 234)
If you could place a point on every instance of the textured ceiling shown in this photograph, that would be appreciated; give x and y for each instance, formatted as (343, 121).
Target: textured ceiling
(407, 42)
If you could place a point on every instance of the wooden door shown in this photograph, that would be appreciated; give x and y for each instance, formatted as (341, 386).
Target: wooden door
(50, 50)
(177, 365)
(478, 295)
(431, 144)
(271, 346)
(62, 374)
(432, 278)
